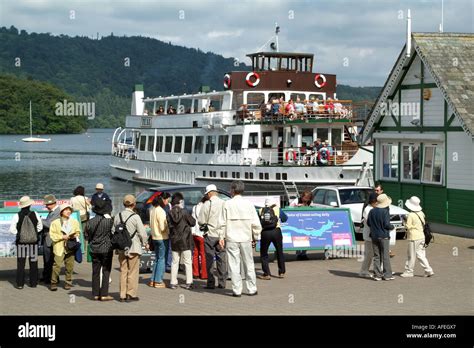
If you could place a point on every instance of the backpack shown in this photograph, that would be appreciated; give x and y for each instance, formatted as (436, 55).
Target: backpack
(427, 231)
(27, 234)
(268, 219)
(121, 239)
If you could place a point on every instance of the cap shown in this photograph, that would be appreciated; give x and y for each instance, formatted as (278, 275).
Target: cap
(49, 199)
(129, 199)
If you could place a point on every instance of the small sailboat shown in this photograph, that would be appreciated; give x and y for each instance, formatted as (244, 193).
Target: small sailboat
(32, 139)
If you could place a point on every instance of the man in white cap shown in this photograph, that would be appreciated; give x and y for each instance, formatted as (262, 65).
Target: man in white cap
(416, 239)
(379, 223)
(100, 194)
(208, 221)
(48, 256)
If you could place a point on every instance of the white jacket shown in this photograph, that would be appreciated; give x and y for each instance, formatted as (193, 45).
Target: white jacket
(239, 221)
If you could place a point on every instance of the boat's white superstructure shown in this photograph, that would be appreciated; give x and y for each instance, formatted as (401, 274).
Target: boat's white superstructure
(217, 137)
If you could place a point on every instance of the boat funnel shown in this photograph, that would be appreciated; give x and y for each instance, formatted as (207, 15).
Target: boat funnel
(138, 105)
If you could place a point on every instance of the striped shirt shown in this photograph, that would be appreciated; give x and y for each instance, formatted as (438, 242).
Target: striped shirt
(99, 240)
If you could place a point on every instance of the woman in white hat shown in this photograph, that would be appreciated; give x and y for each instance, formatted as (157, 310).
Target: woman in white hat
(26, 225)
(63, 229)
(416, 239)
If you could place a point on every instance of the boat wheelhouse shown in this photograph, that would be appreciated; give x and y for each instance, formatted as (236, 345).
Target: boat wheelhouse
(261, 129)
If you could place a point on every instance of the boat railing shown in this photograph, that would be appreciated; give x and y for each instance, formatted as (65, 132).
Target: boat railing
(330, 155)
(124, 150)
(280, 113)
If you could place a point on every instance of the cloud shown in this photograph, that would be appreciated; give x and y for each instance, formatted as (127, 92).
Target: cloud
(367, 33)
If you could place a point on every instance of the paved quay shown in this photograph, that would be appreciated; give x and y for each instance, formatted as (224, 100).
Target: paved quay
(314, 287)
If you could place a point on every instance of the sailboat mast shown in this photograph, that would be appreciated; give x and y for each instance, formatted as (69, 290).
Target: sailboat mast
(31, 123)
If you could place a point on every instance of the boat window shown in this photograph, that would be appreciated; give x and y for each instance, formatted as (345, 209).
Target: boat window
(267, 139)
(159, 144)
(178, 144)
(255, 100)
(188, 144)
(236, 143)
(253, 141)
(307, 136)
(295, 96)
(336, 136)
(198, 144)
(143, 142)
(323, 134)
(223, 142)
(390, 161)
(276, 95)
(168, 144)
(184, 106)
(151, 143)
(237, 100)
(210, 144)
(316, 96)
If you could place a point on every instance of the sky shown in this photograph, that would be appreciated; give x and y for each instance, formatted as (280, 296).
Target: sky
(357, 40)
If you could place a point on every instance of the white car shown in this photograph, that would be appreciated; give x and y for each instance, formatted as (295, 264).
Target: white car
(354, 197)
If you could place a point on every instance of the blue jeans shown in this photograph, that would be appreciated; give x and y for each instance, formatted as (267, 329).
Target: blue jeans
(169, 258)
(161, 254)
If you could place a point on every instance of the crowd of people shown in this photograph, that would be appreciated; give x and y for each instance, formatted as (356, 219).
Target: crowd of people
(215, 230)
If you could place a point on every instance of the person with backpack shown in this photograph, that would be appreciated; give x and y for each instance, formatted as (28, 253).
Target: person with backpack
(270, 217)
(26, 225)
(180, 223)
(129, 236)
(64, 233)
(208, 220)
(97, 232)
(415, 225)
(48, 256)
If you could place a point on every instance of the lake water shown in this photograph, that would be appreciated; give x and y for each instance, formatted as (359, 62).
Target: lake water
(58, 166)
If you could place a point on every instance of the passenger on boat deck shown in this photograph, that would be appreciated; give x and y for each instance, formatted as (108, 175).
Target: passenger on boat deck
(145, 112)
(329, 107)
(275, 107)
(290, 110)
(171, 110)
(160, 110)
(299, 107)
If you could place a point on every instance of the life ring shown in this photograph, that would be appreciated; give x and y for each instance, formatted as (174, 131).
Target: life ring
(316, 82)
(227, 81)
(290, 156)
(256, 76)
(323, 156)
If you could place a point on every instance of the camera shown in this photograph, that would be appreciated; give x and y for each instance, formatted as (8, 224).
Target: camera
(204, 228)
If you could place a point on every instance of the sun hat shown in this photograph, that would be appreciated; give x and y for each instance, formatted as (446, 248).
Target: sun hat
(99, 186)
(210, 188)
(383, 201)
(65, 206)
(413, 203)
(26, 201)
(49, 199)
(268, 202)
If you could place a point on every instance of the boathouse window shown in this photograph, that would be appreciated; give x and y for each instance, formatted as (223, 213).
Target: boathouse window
(159, 144)
(254, 100)
(198, 144)
(151, 143)
(223, 142)
(432, 163)
(178, 144)
(253, 141)
(411, 161)
(188, 144)
(210, 144)
(143, 142)
(390, 161)
(236, 142)
(168, 144)
(267, 139)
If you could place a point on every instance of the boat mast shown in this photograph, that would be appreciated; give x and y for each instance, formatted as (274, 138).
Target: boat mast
(31, 123)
